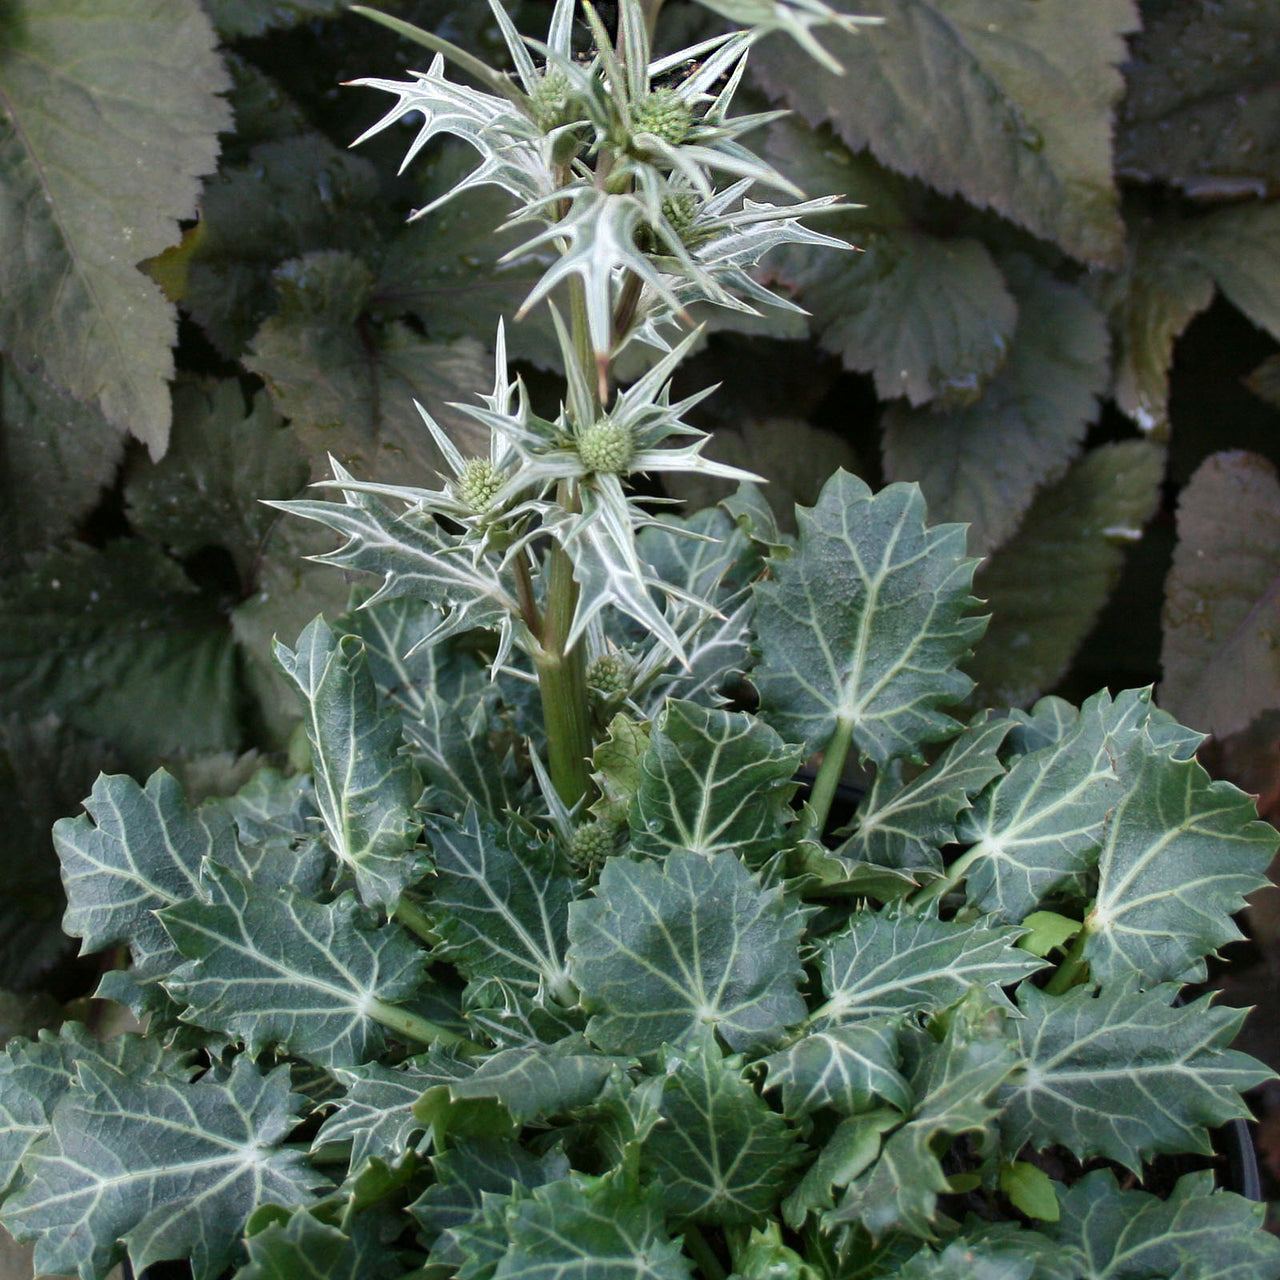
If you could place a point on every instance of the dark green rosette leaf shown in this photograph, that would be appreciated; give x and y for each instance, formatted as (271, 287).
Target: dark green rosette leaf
(365, 788)
(59, 454)
(464, 1175)
(607, 1228)
(1002, 1251)
(376, 1114)
(35, 1074)
(860, 630)
(500, 905)
(223, 456)
(1121, 1075)
(711, 782)
(663, 951)
(1082, 525)
(278, 969)
(134, 851)
(1019, 113)
(893, 962)
(348, 384)
(721, 1155)
(253, 17)
(1180, 853)
(533, 1082)
(1038, 829)
(847, 1068)
(89, 189)
(983, 462)
(121, 645)
(955, 1083)
(1203, 96)
(906, 826)
(304, 1245)
(1220, 613)
(1197, 1232)
(161, 1167)
(930, 317)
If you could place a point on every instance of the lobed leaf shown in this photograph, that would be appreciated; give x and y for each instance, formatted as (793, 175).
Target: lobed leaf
(662, 951)
(304, 1245)
(1197, 1231)
(721, 1155)
(1180, 853)
(165, 1168)
(365, 787)
(846, 1068)
(500, 905)
(860, 630)
(712, 781)
(1120, 1074)
(278, 969)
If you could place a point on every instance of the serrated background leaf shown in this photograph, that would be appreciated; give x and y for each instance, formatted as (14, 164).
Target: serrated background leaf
(91, 188)
(712, 781)
(1221, 615)
(365, 788)
(161, 1164)
(662, 951)
(276, 968)
(1121, 1075)
(982, 463)
(307, 1246)
(1021, 100)
(1082, 525)
(845, 1068)
(883, 659)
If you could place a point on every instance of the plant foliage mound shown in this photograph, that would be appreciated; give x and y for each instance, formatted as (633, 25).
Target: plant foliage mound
(543, 966)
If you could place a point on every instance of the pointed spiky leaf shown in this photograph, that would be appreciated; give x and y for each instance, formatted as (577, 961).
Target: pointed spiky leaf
(365, 787)
(306, 1246)
(863, 626)
(1121, 1075)
(166, 1168)
(712, 781)
(664, 950)
(90, 189)
(722, 1156)
(534, 1082)
(1180, 854)
(896, 962)
(281, 970)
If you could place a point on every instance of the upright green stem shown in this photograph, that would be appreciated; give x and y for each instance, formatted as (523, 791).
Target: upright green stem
(414, 919)
(1073, 967)
(828, 779)
(562, 681)
(703, 1254)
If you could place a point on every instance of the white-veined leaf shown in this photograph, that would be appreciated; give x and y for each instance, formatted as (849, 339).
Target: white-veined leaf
(710, 782)
(892, 961)
(307, 1246)
(1120, 1074)
(365, 788)
(1180, 853)
(500, 905)
(721, 1155)
(662, 951)
(280, 970)
(846, 1068)
(862, 627)
(171, 1169)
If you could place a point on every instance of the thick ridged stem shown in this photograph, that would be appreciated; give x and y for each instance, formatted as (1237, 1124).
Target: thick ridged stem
(828, 779)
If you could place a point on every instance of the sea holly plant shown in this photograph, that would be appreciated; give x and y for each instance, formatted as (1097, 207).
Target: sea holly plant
(544, 964)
